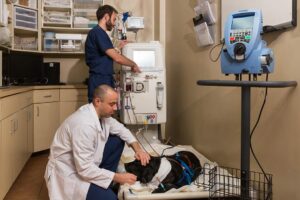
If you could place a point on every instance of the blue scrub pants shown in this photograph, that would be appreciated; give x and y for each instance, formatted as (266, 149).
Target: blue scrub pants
(111, 157)
(97, 79)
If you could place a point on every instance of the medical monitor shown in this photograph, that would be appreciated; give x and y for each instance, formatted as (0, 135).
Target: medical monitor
(148, 56)
(244, 22)
(144, 58)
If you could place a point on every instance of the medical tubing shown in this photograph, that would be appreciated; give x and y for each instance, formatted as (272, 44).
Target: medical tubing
(149, 143)
(141, 143)
(136, 121)
(210, 51)
(162, 153)
(252, 132)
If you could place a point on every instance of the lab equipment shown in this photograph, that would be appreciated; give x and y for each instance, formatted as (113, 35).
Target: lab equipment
(135, 23)
(245, 52)
(144, 94)
(127, 23)
(69, 42)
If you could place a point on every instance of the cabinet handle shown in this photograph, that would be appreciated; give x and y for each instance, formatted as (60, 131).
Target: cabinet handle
(28, 115)
(38, 111)
(12, 126)
(48, 96)
(16, 125)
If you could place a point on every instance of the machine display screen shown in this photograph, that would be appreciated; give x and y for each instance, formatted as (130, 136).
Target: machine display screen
(245, 22)
(144, 58)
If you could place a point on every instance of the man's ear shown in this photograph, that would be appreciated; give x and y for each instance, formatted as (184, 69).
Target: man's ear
(97, 100)
(106, 17)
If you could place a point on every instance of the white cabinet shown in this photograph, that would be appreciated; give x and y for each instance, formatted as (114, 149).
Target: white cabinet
(14, 148)
(7, 148)
(46, 117)
(28, 122)
(70, 101)
(14, 126)
(29, 111)
(2, 183)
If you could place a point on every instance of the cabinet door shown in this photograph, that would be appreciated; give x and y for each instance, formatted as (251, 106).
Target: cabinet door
(8, 153)
(46, 122)
(29, 111)
(20, 139)
(1, 164)
(67, 108)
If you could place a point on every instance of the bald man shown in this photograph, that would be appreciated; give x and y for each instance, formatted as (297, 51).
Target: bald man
(86, 151)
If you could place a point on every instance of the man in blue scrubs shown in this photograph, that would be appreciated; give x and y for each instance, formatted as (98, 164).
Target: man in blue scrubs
(100, 52)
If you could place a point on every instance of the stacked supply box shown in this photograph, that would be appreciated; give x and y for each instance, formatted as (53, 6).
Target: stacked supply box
(85, 13)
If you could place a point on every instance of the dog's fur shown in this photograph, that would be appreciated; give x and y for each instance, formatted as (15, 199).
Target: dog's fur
(175, 177)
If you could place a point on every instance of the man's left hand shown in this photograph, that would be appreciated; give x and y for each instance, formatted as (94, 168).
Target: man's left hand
(143, 156)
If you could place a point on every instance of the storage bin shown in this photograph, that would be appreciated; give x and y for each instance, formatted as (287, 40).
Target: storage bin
(51, 44)
(25, 43)
(25, 18)
(70, 45)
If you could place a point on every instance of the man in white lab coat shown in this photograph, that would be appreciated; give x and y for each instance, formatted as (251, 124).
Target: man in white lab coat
(85, 152)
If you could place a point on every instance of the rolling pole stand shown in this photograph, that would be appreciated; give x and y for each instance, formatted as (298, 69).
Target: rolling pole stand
(245, 119)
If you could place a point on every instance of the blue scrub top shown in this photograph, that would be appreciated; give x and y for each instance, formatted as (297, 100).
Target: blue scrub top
(97, 42)
(100, 65)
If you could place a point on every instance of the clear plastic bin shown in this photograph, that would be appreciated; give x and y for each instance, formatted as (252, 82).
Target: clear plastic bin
(51, 44)
(57, 17)
(85, 13)
(25, 43)
(70, 45)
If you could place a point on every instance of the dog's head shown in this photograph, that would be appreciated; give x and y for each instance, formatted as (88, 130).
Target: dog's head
(144, 173)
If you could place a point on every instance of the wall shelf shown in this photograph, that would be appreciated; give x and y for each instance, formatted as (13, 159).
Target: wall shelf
(65, 30)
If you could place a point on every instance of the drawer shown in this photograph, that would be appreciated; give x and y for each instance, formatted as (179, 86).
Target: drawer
(25, 18)
(73, 95)
(12, 104)
(45, 96)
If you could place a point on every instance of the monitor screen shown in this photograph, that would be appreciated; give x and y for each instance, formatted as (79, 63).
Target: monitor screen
(245, 22)
(144, 58)
(25, 68)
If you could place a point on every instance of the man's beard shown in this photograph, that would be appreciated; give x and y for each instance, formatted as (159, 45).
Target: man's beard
(109, 25)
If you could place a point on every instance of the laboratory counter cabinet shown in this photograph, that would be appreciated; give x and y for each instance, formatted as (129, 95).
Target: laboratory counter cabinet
(29, 117)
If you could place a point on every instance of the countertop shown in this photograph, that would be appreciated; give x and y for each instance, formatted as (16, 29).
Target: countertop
(11, 90)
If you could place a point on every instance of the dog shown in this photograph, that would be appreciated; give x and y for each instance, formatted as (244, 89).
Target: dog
(181, 169)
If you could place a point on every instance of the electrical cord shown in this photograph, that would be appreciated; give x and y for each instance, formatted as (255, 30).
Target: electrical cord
(211, 50)
(132, 108)
(252, 132)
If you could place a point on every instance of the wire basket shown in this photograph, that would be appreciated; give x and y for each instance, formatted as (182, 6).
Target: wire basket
(226, 183)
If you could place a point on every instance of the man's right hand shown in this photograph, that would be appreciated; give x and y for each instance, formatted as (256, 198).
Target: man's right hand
(123, 178)
(135, 69)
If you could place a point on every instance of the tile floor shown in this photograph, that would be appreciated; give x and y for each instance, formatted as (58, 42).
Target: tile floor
(30, 183)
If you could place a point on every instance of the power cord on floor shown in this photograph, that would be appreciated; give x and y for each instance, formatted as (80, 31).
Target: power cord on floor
(252, 132)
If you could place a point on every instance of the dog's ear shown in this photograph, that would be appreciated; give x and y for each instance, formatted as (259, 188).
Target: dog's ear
(134, 167)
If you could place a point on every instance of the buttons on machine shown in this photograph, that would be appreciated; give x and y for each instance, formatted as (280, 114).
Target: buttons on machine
(240, 36)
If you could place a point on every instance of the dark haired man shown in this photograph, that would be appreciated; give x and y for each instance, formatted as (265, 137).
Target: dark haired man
(100, 52)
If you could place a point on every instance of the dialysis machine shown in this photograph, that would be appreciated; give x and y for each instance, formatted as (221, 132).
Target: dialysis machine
(143, 95)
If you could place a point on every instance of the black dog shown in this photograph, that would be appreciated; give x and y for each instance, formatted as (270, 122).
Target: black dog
(185, 169)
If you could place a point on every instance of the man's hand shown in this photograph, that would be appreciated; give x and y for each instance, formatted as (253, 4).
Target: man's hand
(122, 43)
(135, 69)
(143, 157)
(123, 178)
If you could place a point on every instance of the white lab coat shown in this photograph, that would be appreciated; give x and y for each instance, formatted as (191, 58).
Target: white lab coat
(77, 151)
